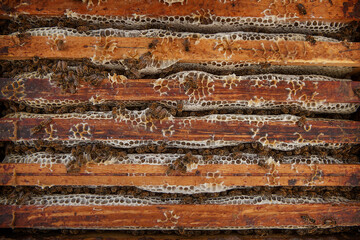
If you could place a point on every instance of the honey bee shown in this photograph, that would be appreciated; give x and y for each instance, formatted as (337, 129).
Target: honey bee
(153, 44)
(60, 44)
(310, 39)
(284, 109)
(159, 113)
(263, 164)
(254, 145)
(301, 8)
(80, 110)
(104, 108)
(161, 148)
(307, 219)
(190, 83)
(265, 65)
(41, 126)
(24, 197)
(61, 66)
(35, 59)
(95, 79)
(297, 151)
(140, 150)
(186, 44)
(82, 28)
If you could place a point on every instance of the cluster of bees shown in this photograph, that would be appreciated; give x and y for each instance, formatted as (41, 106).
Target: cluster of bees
(181, 164)
(21, 194)
(99, 152)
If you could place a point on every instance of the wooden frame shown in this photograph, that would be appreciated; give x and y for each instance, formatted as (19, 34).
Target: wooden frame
(211, 174)
(177, 216)
(116, 48)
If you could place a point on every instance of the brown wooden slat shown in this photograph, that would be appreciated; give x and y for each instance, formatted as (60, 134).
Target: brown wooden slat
(322, 91)
(281, 52)
(141, 175)
(177, 129)
(179, 216)
(335, 10)
(114, 235)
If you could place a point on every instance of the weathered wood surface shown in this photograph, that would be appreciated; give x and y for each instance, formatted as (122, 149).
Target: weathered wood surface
(180, 216)
(335, 10)
(169, 88)
(147, 175)
(240, 128)
(117, 48)
(114, 235)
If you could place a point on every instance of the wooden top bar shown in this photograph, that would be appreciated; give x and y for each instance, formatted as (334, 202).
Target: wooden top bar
(252, 51)
(181, 216)
(226, 175)
(138, 126)
(335, 10)
(228, 88)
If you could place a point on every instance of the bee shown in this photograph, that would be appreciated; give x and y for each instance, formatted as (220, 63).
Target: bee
(297, 151)
(201, 198)
(140, 150)
(69, 189)
(180, 151)
(49, 109)
(95, 79)
(161, 148)
(265, 65)
(301, 8)
(241, 146)
(114, 112)
(186, 44)
(49, 150)
(310, 39)
(302, 121)
(80, 110)
(60, 44)
(81, 70)
(159, 113)
(329, 221)
(249, 111)
(322, 153)
(144, 194)
(104, 108)
(24, 197)
(83, 28)
(35, 59)
(254, 145)
(61, 66)
(190, 83)
(263, 164)
(36, 110)
(41, 126)
(153, 44)
(282, 192)
(284, 109)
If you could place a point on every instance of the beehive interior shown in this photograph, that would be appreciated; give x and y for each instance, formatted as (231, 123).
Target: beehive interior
(179, 117)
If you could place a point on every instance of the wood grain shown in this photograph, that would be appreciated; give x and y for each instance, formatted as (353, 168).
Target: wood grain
(222, 90)
(115, 235)
(280, 52)
(211, 128)
(147, 175)
(179, 216)
(336, 10)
